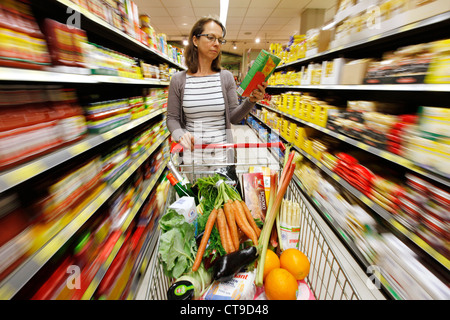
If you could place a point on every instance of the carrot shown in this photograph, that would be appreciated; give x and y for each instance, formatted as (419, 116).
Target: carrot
(250, 219)
(231, 220)
(230, 240)
(243, 224)
(201, 248)
(222, 226)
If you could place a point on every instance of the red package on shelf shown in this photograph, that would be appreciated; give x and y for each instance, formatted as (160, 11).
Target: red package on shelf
(60, 43)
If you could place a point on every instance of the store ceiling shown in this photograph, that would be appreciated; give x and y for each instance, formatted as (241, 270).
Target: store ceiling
(270, 20)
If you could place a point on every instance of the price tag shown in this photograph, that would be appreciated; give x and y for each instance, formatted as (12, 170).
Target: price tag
(375, 37)
(7, 291)
(108, 135)
(341, 137)
(336, 177)
(362, 146)
(398, 226)
(79, 148)
(409, 27)
(388, 156)
(366, 200)
(25, 173)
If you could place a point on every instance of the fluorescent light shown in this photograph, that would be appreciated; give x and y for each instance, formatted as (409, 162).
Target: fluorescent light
(224, 11)
(257, 40)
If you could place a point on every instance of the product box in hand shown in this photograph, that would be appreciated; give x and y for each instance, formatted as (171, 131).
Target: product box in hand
(254, 194)
(260, 72)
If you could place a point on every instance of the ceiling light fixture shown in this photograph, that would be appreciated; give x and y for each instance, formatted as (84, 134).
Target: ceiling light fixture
(224, 11)
(234, 46)
(185, 42)
(257, 40)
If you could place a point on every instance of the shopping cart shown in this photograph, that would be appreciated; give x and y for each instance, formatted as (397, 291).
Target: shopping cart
(327, 278)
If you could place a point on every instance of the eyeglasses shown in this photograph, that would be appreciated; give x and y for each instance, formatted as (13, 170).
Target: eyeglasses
(212, 38)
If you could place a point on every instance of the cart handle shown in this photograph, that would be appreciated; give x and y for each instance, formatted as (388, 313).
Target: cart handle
(177, 147)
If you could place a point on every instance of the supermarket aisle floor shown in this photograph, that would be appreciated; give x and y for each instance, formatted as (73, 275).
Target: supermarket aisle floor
(261, 156)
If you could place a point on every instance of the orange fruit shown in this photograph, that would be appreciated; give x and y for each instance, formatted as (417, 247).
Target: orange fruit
(272, 262)
(296, 262)
(280, 284)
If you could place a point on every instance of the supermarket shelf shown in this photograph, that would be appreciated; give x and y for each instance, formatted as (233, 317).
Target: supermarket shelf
(15, 281)
(384, 36)
(129, 41)
(104, 268)
(370, 87)
(387, 217)
(21, 75)
(21, 173)
(378, 152)
(345, 237)
(342, 234)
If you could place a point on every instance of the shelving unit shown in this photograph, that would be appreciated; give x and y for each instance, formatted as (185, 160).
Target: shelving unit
(430, 28)
(389, 220)
(22, 174)
(375, 151)
(391, 37)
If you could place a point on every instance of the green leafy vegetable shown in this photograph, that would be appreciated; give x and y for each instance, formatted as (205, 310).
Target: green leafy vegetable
(177, 244)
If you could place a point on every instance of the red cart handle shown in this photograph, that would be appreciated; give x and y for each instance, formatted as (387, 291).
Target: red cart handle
(177, 147)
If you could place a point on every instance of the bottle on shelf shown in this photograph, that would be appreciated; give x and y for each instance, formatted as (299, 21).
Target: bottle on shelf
(182, 190)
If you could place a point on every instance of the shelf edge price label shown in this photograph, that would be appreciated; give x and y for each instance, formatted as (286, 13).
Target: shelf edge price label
(362, 146)
(79, 148)
(25, 173)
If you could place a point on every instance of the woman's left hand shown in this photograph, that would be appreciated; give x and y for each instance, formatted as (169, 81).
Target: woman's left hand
(258, 94)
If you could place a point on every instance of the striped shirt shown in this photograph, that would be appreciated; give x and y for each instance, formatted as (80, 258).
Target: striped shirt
(204, 110)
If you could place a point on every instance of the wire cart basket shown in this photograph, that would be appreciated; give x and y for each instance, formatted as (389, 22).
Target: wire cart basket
(327, 279)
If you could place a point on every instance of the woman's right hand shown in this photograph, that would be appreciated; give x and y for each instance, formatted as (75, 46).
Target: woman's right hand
(187, 141)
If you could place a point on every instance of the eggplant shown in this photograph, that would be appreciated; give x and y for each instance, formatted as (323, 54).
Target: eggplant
(228, 265)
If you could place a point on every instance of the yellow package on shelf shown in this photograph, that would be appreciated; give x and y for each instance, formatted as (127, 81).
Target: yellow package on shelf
(439, 70)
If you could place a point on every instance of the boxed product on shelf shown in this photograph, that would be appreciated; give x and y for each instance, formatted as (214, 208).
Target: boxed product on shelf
(65, 43)
(332, 71)
(106, 115)
(354, 71)
(439, 70)
(405, 65)
(36, 121)
(22, 44)
(115, 162)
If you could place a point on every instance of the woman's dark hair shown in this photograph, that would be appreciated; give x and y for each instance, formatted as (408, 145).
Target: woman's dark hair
(191, 51)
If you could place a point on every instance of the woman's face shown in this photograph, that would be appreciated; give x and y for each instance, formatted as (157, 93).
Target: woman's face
(206, 48)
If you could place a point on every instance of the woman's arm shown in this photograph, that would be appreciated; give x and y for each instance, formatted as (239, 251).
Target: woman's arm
(174, 105)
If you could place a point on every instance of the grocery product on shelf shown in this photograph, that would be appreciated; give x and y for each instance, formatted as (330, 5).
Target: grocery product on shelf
(36, 121)
(65, 43)
(22, 43)
(371, 239)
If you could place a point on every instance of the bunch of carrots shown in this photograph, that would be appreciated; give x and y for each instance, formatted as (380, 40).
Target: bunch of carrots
(229, 214)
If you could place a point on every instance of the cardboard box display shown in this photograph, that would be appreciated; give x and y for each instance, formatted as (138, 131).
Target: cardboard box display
(355, 71)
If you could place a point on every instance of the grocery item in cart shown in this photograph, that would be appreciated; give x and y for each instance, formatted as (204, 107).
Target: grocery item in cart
(254, 194)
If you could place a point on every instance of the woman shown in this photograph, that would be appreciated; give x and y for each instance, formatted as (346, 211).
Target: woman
(203, 102)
